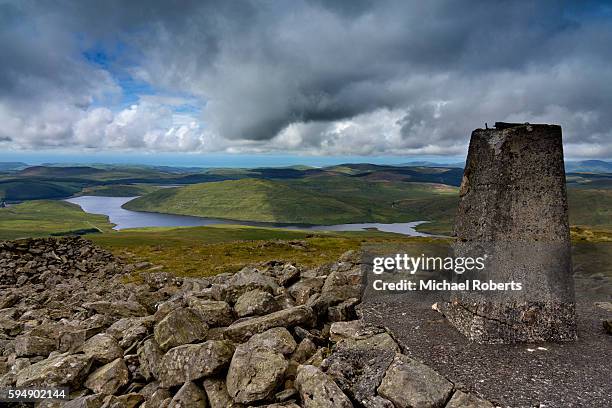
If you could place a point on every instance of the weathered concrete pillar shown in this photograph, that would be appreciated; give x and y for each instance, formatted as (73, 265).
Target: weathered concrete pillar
(513, 208)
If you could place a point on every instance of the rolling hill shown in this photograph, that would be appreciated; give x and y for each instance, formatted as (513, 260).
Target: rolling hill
(315, 200)
(41, 218)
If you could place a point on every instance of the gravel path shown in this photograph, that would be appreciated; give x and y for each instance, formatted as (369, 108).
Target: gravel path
(548, 375)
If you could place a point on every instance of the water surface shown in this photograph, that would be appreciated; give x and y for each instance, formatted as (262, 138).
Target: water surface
(122, 218)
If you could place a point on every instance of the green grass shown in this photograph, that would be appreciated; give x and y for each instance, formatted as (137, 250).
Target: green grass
(590, 207)
(316, 200)
(43, 218)
(204, 251)
(18, 190)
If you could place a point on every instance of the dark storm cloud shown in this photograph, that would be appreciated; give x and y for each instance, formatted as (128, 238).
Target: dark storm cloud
(384, 76)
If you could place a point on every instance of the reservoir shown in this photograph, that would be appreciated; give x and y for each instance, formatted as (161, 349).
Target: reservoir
(123, 219)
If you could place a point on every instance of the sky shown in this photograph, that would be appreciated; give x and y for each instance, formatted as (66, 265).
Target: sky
(190, 81)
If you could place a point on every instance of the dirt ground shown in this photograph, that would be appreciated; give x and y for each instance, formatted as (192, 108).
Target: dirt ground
(577, 374)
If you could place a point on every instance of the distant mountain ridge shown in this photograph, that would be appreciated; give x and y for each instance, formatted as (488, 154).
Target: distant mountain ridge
(12, 166)
(588, 166)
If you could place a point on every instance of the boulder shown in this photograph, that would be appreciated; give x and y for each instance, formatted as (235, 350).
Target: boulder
(149, 356)
(189, 396)
(255, 372)
(277, 339)
(304, 351)
(380, 341)
(287, 275)
(303, 289)
(461, 399)
(241, 330)
(317, 390)
(102, 348)
(191, 362)
(355, 329)
(130, 400)
(155, 400)
(359, 365)
(27, 345)
(60, 370)
(118, 308)
(109, 378)
(71, 340)
(255, 302)
(86, 401)
(410, 383)
(343, 311)
(129, 331)
(247, 279)
(181, 326)
(217, 393)
(214, 313)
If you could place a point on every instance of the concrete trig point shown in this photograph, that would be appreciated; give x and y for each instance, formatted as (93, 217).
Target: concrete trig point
(513, 207)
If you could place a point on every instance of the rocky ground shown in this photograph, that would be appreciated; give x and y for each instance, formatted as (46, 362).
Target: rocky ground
(544, 375)
(272, 335)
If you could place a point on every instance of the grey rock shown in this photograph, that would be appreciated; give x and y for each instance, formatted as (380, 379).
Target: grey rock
(240, 331)
(409, 383)
(156, 399)
(130, 400)
(149, 356)
(286, 394)
(71, 340)
(287, 275)
(359, 365)
(189, 396)
(355, 329)
(56, 371)
(214, 313)
(191, 362)
(304, 351)
(343, 311)
(317, 390)
(461, 399)
(217, 393)
(181, 326)
(317, 358)
(305, 288)
(27, 345)
(255, 302)
(277, 339)
(86, 401)
(102, 348)
(248, 279)
(287, 404)
(109, 378)
(129, 331)
(377, 402)
(258, 366)
(380, 341)
(166, 307)
(254, 373)
(119, 308)
(149, 389)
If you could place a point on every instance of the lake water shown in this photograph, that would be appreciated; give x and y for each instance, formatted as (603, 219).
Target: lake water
(111, 207)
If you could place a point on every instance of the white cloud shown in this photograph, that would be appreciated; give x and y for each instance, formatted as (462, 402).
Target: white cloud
(347, 78)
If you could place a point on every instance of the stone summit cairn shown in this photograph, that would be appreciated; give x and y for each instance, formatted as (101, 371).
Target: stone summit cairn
(513, 208)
